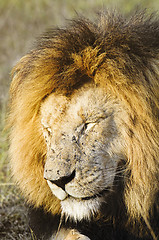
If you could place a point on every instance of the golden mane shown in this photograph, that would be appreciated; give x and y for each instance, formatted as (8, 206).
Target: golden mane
(122, 55)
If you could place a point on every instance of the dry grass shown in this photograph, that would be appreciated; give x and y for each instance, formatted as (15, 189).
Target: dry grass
(13, 223)
(20, 22)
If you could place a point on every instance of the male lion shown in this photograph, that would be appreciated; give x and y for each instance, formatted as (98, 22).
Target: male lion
(84, 129)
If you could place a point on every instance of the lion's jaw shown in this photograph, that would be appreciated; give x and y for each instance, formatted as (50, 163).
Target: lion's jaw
(84, 148)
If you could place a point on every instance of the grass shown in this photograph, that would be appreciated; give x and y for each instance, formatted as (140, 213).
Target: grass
(20, 23)
(13, 220)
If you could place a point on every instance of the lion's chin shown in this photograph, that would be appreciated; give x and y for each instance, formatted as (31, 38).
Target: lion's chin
(77, 208)
(80, 209)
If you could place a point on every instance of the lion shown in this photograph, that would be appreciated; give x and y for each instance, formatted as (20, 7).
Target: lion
(84, 133)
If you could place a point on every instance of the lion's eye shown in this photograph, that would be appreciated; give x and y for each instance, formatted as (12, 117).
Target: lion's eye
(88, 126)
(84, 128)
(49, 130)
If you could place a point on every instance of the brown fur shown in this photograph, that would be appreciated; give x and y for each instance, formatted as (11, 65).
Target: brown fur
(122, 56)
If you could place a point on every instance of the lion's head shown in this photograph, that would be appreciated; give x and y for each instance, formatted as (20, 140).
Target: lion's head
(84, 119)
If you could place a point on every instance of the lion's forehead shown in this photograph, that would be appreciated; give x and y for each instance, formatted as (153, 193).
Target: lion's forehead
(87, 104)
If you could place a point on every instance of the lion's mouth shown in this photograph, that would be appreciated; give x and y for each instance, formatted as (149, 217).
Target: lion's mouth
(78, 208)
(100, 194)
(61, 194)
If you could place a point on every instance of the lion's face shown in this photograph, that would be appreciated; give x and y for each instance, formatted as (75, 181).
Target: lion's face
(84, 148)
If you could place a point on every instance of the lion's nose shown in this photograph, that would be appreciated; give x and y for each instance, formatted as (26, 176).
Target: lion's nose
(62, 181)
(58, 186)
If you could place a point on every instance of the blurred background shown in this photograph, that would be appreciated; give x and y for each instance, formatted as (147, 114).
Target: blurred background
(21, 21)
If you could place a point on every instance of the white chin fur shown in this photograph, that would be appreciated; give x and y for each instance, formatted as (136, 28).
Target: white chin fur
(77, 209)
